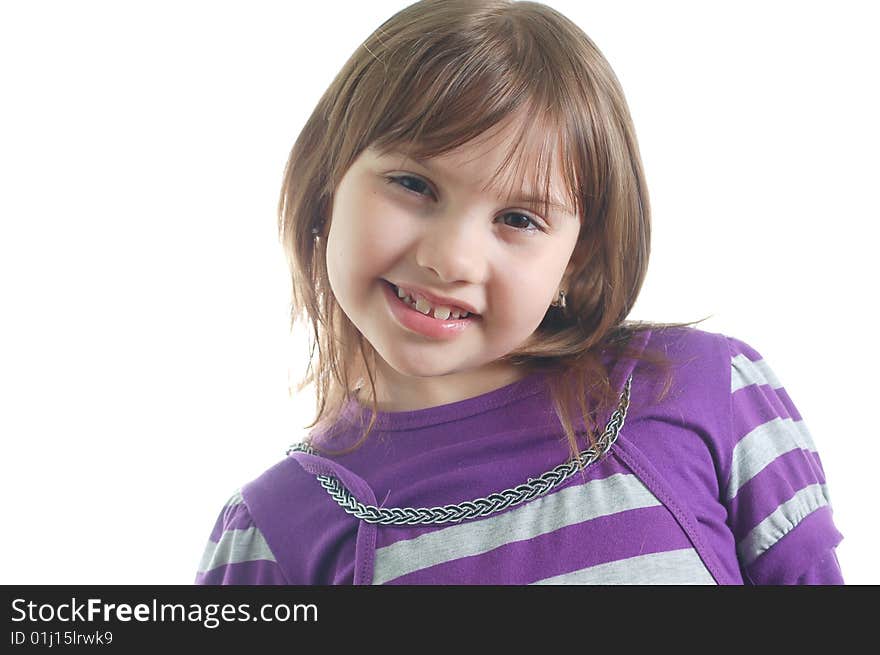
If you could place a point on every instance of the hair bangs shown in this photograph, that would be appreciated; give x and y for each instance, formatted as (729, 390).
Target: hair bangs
(534, 168)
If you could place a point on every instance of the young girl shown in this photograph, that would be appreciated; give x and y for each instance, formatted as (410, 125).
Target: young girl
(467, 225)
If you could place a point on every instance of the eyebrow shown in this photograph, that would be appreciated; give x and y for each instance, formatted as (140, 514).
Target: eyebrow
(527, 199)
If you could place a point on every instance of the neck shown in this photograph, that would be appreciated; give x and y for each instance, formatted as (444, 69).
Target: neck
(403, 393)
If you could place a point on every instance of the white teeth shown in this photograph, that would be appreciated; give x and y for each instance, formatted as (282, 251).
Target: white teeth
(441, 312)
(423, 306)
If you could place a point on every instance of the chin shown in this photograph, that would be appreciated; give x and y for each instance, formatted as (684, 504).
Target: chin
(417, 367)
(420, 369)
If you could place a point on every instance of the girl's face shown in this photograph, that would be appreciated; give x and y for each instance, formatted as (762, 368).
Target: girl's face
(433, 228)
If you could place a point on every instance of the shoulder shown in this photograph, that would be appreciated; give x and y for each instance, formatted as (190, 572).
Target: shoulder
(296, 504)
(708, 367)
(265, 530)
(237, 551)
(697, 380)
(679, 426)
(769, 474)
(699, 354)
(691, 349)
(728, 439)
(724, 391)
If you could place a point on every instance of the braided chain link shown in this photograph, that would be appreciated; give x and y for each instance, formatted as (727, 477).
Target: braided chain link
(491, 504)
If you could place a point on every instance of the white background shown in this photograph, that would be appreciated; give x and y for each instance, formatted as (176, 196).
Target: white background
(143, 343)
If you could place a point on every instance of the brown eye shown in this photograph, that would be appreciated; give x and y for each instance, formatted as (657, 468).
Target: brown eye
(408, 182)
(528, 221)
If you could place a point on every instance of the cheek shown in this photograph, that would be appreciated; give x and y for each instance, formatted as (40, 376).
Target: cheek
(523, 289)
(520, 300)
(366, 236)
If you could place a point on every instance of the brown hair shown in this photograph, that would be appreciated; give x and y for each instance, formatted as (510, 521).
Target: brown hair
(434, 76)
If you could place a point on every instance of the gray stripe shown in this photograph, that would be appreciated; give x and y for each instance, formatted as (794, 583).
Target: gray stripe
(783, 519)
(235, 499)
(569, 506)
(682, 566)
(745, 372)
(236, 546)
(763, 445)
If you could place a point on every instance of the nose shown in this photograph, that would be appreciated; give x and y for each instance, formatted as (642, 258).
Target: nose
(454, 249)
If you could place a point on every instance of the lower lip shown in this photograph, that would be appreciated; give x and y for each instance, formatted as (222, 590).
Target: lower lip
(412, 319)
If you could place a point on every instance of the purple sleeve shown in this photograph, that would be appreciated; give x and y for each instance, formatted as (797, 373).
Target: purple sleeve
(825, 571)
(237, 552)
(774, 488)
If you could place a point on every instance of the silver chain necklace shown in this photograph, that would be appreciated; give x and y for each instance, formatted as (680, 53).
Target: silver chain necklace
(491, 504)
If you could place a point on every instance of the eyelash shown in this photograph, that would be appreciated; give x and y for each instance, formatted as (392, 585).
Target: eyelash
(395, 179)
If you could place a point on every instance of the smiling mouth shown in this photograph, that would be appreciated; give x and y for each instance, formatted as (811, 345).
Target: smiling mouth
(447, 313)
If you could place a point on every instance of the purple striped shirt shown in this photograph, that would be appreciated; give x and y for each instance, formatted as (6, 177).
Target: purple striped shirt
(718, 483)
